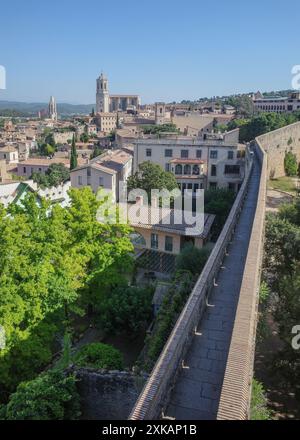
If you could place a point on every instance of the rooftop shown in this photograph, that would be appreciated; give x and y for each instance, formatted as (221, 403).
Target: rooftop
(163, 219)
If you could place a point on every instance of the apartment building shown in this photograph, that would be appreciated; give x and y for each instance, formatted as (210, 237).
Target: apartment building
(106, 121)
(276, 104)
(105, 171)
(9, 154)
(213, 161)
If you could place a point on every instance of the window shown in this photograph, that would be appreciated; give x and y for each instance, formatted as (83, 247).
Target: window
(187, 169)
(213, 170)
(24, 170)
(148, 152)
(167, 167)
(232, 169)
(196, 170)
(214, 154)
(212, 185)
(4, 155)
(184, 154)
(230, 155)
(178, 169)
(89, 172)
(196, 186)
(100, 181)
(231, 186)
(168, 244)
(154, 241)
(79, 180)
(189, 186)
(168, 153)
(198, 154)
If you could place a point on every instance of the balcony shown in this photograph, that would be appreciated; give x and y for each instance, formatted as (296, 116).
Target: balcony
(183, 168)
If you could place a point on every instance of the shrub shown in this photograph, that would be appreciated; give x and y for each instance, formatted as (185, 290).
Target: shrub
(259, 409)
(98, 355)
(126, 309)
(51, 396)
(192, 259)
(290, 164)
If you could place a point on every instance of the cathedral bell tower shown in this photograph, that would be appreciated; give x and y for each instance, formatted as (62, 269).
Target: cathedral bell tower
(102, 95)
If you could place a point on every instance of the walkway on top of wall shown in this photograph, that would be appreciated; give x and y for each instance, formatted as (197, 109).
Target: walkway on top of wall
(197, 390)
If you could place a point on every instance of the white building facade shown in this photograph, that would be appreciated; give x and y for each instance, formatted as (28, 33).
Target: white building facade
(216, 162)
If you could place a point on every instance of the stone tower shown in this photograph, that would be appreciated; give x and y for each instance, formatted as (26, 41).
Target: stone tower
(52, 110)
(160, 113)
(102, 96)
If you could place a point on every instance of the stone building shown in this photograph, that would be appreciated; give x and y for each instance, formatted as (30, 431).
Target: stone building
(106, 103)
(52, 109)
(106, 122)
(210, 161)
(105, 171)
(277, 104)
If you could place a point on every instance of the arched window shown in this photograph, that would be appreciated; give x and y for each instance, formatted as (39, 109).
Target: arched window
(196, 170)
(178, 169)
(187, 169)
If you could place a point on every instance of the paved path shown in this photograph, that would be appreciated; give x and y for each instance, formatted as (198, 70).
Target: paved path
(198, 387)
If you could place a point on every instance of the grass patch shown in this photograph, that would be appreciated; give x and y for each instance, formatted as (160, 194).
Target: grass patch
(283, 184)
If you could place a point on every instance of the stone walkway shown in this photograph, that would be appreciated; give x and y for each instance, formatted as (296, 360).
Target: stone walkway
(197, 390)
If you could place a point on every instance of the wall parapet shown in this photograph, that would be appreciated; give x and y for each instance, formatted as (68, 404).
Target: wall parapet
(154, 396)
(234, 403)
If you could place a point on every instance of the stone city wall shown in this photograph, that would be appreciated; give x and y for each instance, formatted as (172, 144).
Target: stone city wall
(276, 144)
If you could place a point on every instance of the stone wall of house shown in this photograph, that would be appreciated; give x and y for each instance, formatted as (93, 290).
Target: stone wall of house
(276, 144)
(107, 395)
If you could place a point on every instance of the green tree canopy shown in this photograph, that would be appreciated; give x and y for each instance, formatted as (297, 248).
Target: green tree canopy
(126, 309)
(51, 396)
(53, 263)
(151, 176)
(98, 355)
(56, 174)
(290, 164)
(192, 259)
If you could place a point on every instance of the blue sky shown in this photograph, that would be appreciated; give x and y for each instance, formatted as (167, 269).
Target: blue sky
(163, 50)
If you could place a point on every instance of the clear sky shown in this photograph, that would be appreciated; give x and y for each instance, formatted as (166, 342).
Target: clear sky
(163, 50)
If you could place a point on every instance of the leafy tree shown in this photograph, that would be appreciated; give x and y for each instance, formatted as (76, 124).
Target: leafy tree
(126, 309)
(112, 136)
(53, 263)
(98, 355)
(282, 247)
(291, 212)
(172, 305)
(192, 259)
(243, 105)
(51, 396)
(96, 152)
(151, 176)
(262, 123)
(49, 139)
(73, 160)
(84, 138)
(56, 174)
(290, 164)
(156, 129)
(259, 403)
(218, 202)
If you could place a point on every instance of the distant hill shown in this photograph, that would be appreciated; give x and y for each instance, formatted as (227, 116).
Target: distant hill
(31, 108)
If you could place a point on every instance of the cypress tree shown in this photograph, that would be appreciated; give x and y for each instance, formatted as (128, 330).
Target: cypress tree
(73, 159)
